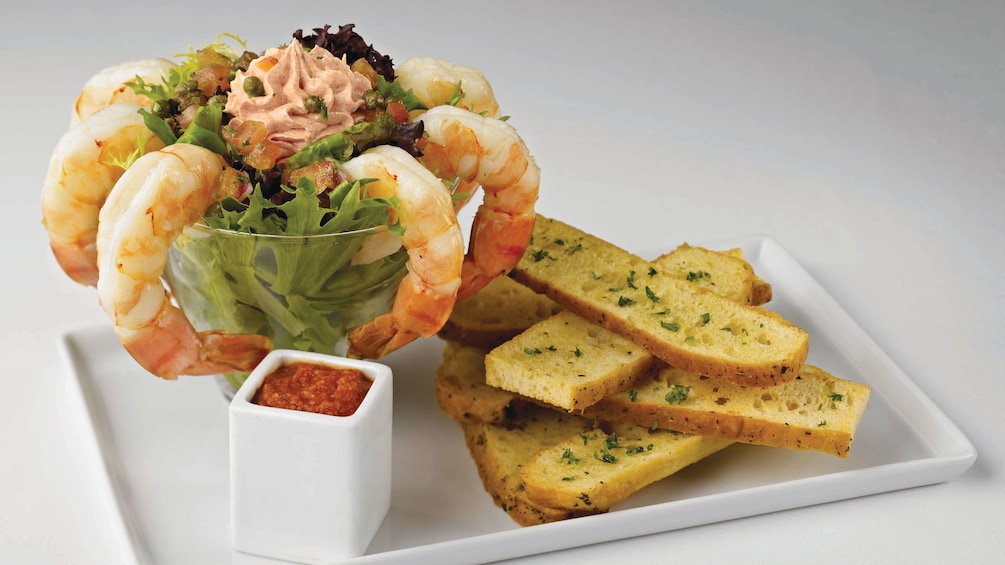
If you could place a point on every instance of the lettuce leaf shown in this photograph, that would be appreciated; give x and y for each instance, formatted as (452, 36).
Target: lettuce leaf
(204, 130)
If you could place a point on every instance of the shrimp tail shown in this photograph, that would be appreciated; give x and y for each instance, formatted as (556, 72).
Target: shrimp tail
(373, 340)
(498, 241)
(77, 262)
(169, 346)
(223, 352)
(421, 310)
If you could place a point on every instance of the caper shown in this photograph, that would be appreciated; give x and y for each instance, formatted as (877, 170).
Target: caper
(161, 108)
(316, 105)
(373, 100)
(186, 86)
(191, 99)
(215, 209)
(253, 86)
(218, 99)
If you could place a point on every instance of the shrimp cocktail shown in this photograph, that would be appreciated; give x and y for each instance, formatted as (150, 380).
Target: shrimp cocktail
(304, 197)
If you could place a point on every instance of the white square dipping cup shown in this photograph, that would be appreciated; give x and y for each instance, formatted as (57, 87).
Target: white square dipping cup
(309, 487)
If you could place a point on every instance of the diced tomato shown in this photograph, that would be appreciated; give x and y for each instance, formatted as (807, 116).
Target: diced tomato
(233, 183)
(322, 173)
(263, 156)
(212, 78)
(208, 56)
(363, 67)
(266, 63)
(245, 138)
(397, 111)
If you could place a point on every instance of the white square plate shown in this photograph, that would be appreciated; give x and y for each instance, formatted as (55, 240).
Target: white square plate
(163, 448)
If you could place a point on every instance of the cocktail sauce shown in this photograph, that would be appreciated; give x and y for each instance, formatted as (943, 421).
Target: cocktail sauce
(309, 387)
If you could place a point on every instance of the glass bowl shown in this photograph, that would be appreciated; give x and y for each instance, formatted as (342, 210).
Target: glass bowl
(305, 292)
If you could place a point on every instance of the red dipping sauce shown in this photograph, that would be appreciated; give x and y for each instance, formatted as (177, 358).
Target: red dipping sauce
(309, 387)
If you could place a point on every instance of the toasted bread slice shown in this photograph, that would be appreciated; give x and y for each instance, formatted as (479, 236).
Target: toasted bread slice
(462, 393)
(686, 326)
(567, 362)
(499, 453)
(596, 470)
(761, 292)
(816, 411)
(496, 313)
(721, 273)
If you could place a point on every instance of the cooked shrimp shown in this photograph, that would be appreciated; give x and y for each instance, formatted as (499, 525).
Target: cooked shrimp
(489, 152)
(149, 206)
(108, 86)
(435, 80)
(84, 166)
(435, 246)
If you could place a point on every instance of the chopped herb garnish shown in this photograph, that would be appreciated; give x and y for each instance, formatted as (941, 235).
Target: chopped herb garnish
(531, 350)
(836, 397)
(611, 441)
(652, 295)
(705, 318)
(633, 395)
(569, 458)
(540, 255)
(625, 301)
(693, 276)
(672, 326)
(677, 394)
(577, 352)
(822, 423)
(605, 455)
(631, 280)
(652, 272)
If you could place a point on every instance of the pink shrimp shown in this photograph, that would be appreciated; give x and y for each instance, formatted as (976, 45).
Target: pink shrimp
(435, 245)
(153, 201)
(488, 152)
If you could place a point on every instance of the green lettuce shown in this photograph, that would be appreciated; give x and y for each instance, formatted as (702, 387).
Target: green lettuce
(305, 293)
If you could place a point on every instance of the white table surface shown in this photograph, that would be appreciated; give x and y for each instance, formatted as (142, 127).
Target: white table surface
(868, 138)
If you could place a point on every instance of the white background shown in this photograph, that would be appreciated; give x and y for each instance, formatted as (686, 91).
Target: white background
(866, 137)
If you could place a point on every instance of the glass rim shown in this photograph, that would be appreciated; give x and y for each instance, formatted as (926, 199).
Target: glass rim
(206, 228)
